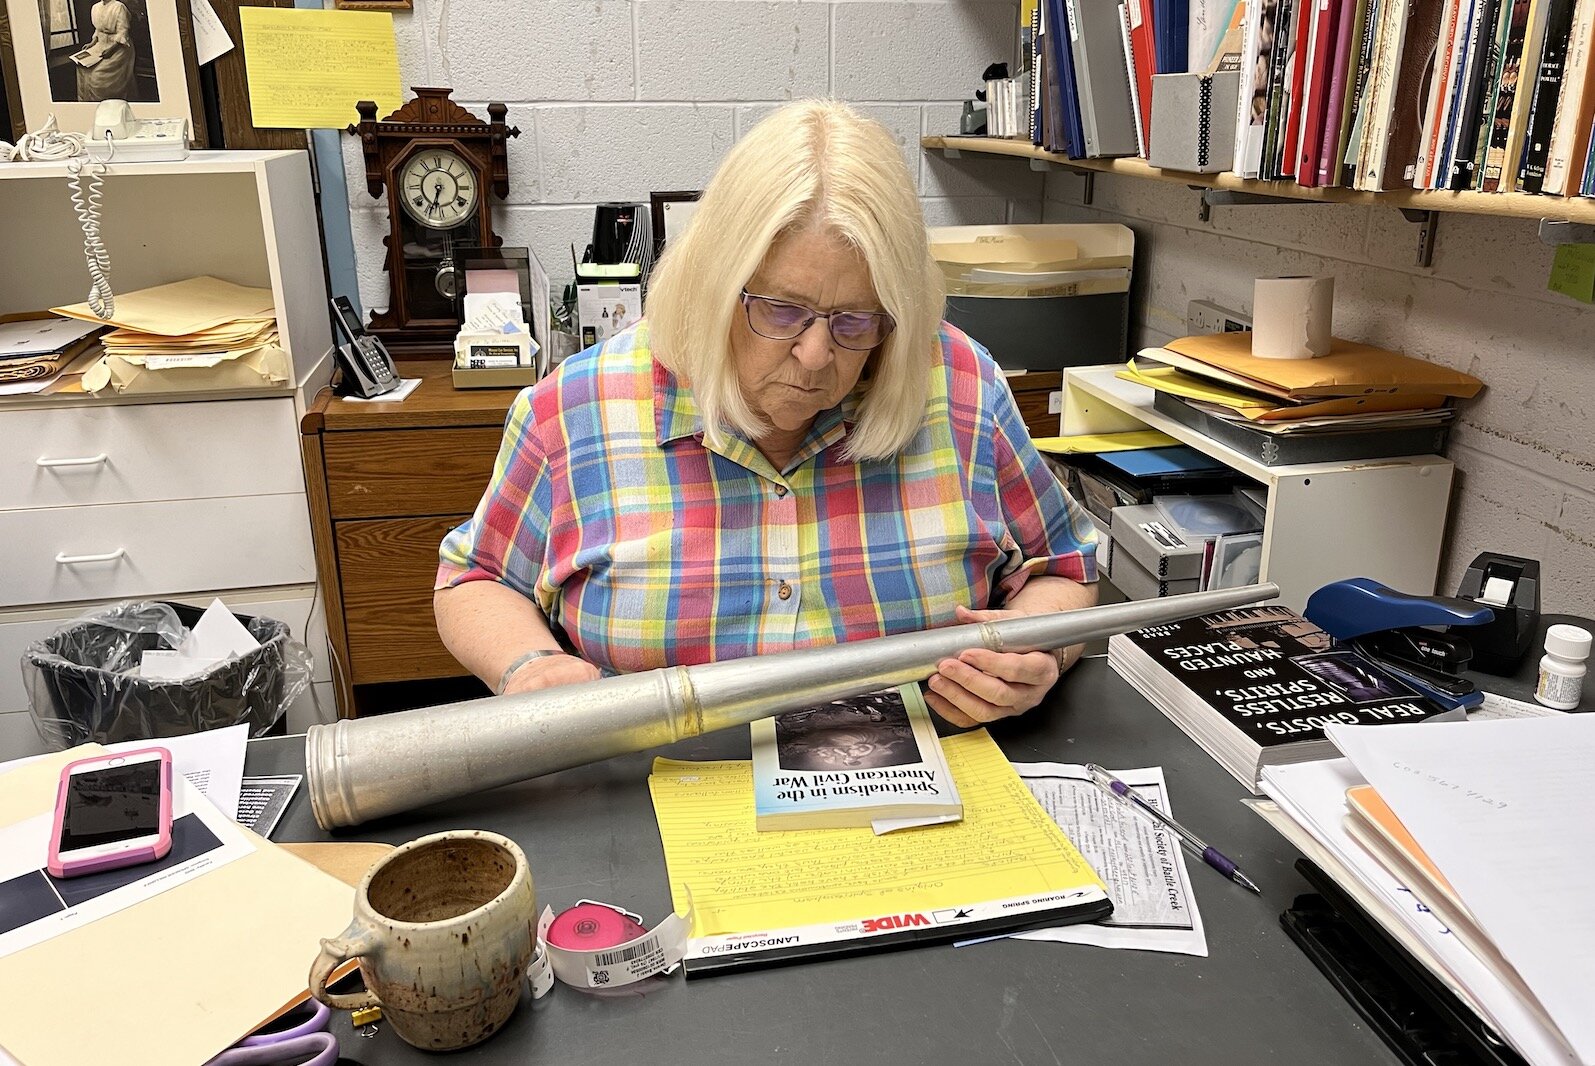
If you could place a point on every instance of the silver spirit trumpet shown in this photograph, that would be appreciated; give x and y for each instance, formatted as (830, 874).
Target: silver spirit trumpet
(365, 768)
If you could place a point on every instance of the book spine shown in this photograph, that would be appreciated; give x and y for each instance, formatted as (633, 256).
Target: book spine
(1143, 63)
(1135, 93)
(1587, 186)
(1547, 93)
(1445, 114)
(1301, 36)
(1327, 84)
(1279, 67)
(1407, 94)
(1242, 162)
(1466, 128)
(1491, 90)
(1523, 98)
(1434, 98)
(1035, 76)
(1506, 95)
(1379, 23)
(1573, 111)
(1337, 127)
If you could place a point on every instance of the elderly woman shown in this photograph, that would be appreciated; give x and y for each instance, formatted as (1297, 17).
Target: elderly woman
(789, 449)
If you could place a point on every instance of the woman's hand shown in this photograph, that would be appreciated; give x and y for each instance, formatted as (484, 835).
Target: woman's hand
(983, 686)
(550, 671)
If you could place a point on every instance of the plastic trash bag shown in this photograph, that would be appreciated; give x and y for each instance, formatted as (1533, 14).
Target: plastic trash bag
(83, 680)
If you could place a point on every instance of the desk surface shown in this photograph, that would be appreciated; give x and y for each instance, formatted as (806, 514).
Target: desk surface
(590, 832)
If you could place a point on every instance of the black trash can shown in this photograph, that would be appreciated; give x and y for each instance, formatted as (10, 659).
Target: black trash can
(83, 685)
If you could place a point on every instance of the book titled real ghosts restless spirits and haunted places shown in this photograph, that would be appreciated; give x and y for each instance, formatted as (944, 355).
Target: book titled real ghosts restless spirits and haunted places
(1256, 686)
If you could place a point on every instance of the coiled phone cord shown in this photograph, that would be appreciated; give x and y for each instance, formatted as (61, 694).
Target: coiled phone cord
(102, 301)
(49, 143)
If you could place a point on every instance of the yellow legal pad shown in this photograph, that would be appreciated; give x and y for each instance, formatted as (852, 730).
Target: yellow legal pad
(821, 888)
(307, 69)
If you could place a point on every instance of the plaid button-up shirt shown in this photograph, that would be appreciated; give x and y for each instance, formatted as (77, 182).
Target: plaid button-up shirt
(649, 548)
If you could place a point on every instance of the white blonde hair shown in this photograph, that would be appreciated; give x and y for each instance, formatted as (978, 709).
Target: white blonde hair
(813, 163)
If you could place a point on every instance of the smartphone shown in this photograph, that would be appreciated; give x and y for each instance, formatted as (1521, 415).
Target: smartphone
(111, 811)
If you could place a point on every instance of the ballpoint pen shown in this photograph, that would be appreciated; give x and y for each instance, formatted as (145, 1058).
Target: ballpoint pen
(1210, 855)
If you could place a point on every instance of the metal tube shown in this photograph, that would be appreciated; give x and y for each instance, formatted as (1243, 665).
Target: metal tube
(365, 768)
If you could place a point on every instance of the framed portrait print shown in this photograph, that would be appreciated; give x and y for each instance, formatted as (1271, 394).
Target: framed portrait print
(671, 213)
(63, 57)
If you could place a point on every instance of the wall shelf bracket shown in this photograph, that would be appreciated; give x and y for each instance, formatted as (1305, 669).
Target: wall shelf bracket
(1554, 231)
(1427, 222)
(1212, 198)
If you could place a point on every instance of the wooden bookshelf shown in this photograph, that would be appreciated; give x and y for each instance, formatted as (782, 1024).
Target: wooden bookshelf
(1578, 210)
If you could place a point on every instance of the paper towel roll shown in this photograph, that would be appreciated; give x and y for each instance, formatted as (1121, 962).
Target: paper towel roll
(1291, 317)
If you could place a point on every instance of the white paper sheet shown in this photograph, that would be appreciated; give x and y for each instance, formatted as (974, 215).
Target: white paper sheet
(1496, 706)
(1313, 795)
(218, 634)
(35, 907)
(1139, 859)
(1507, 812)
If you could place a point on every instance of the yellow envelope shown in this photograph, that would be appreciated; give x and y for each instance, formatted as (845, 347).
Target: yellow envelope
(181, 308)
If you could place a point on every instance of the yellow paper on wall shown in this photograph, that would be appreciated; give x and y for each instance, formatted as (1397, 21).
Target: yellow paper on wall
(307, 69)
(742, 880)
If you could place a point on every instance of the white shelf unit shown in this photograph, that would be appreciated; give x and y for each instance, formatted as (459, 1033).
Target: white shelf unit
(1378, 518)
(160, 499)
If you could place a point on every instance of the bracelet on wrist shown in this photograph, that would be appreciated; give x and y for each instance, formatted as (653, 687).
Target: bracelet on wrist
(509, 671)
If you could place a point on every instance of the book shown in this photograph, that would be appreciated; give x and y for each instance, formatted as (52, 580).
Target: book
(1171, 21)
(1142, 54)
(1102, 79)
(1142, 120)
(1256, 686)
(1342, 74)
(1461, 156)
(1437, 104)
(1547, 91)
(1062, 56)
(1410, 97)
(1490, 88)
(1322, 51)
(869, 760)
(1251, 97)
(1575, 113)
(1523, 97)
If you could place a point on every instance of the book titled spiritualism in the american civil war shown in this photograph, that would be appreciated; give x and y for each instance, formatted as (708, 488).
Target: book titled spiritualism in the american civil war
(1256, 686)
(870, 760)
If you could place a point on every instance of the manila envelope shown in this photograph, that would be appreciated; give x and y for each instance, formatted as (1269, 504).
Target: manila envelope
(176, 979)
(1349, 369)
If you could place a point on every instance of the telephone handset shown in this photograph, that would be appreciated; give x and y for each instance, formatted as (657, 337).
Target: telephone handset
(117, 135)
(367, 367)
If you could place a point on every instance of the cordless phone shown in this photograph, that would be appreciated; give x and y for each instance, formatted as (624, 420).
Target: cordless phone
(367, 367)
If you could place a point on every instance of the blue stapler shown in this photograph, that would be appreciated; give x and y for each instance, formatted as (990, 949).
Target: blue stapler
(1392, 629)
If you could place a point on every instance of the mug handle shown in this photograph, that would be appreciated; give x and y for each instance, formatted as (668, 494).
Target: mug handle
(357, 940)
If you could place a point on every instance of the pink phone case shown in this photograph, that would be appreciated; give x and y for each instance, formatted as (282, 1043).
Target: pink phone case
(157, 850)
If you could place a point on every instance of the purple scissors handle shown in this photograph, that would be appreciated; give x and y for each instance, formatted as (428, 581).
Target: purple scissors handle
(306, 1043)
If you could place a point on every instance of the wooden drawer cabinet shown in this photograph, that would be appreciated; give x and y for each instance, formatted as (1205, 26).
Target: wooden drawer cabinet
(381, 473)
(386, 610)
(387, 481)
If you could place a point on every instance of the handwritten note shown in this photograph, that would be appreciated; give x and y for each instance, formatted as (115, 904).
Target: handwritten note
(1573, 272)
(307, 69)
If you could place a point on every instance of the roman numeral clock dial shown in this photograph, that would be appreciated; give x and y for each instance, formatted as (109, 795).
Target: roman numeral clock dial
(440, 168)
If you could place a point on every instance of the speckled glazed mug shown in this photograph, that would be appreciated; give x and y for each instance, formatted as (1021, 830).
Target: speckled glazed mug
(443, 929)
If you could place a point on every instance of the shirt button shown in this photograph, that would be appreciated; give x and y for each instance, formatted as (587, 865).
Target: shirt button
(780, 490)
(785, 591)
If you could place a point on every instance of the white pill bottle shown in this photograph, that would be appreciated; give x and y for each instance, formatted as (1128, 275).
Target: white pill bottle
(1562, 670)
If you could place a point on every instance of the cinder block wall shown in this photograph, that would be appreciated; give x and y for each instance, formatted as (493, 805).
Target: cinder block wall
(1524, 449)
(616, 98)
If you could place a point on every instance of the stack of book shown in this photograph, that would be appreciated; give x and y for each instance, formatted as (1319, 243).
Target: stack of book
(1481, 95)
(1357, 402)
(1255, 687)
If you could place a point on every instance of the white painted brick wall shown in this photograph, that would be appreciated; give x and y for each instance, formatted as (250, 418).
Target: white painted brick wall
(618, 98)
(1524, 449)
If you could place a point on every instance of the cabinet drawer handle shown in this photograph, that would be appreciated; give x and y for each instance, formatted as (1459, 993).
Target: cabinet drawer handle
(67, 560)
(87, 460)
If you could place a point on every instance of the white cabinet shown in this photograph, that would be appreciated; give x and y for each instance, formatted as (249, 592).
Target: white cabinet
(1378, 518)
(187, 496)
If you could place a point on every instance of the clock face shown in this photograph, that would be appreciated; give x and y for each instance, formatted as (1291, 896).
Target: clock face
(438, 189)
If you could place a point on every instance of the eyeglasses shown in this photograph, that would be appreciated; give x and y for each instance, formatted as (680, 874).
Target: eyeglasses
(779, 320)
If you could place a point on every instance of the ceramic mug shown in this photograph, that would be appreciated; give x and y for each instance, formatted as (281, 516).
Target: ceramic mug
(443, 929)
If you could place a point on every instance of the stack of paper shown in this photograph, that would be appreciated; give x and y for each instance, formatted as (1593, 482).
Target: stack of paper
(1469, 843)
(1354, 387)
(199, 333)
(35, 353)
